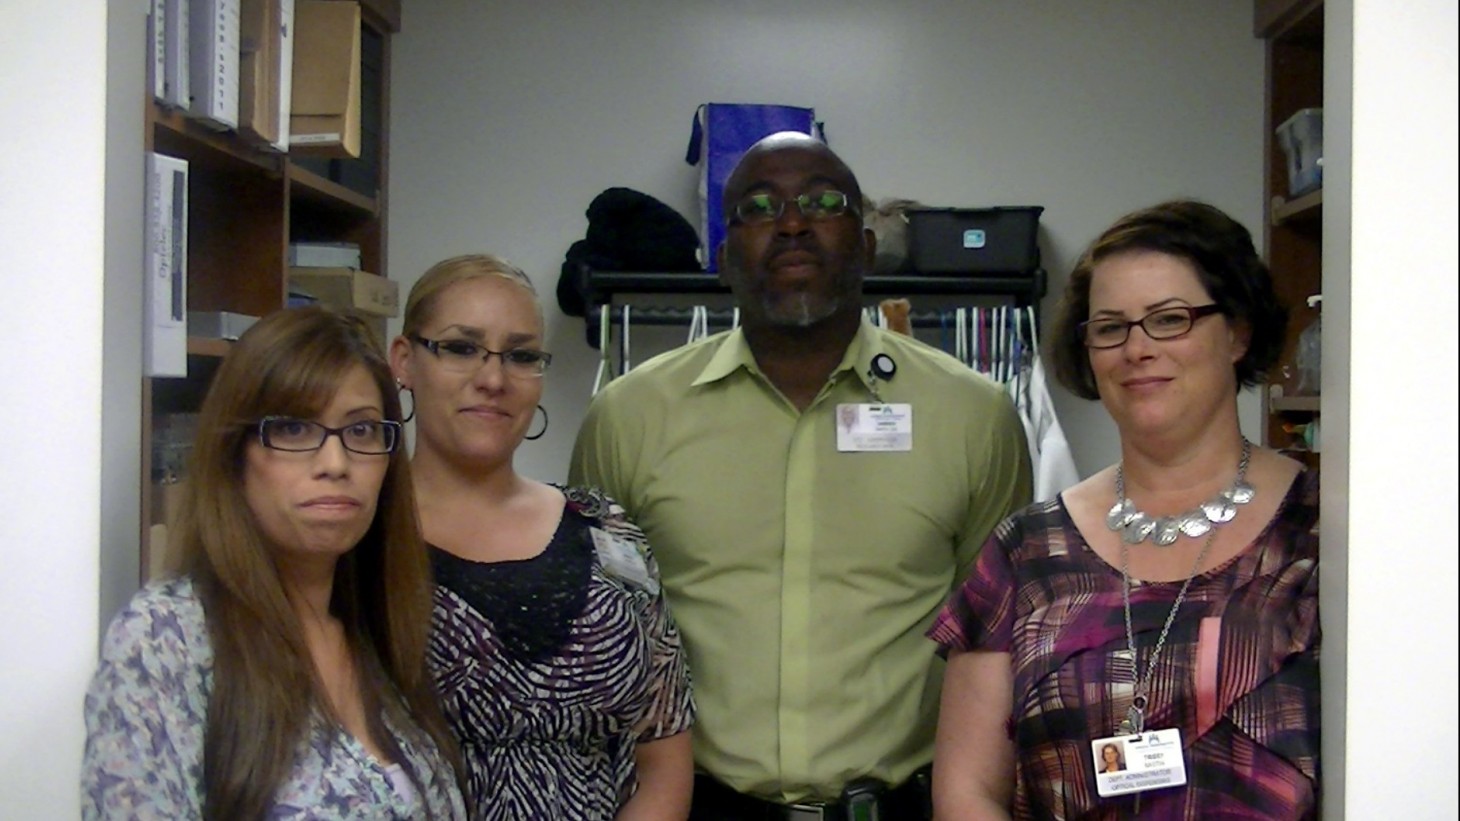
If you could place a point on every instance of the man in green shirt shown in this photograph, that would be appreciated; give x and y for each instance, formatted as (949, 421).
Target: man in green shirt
(813, 487)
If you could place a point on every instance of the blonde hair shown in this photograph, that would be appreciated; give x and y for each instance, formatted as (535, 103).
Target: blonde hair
(421, 304)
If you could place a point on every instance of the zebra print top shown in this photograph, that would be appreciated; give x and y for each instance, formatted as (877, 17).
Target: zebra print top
(551, 668)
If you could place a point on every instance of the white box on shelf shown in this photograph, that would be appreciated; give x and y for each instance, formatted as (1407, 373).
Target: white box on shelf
(1301, 138)
(165, 268)
(219, 324)
(324, 255)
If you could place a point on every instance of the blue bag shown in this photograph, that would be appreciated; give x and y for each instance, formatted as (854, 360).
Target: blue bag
(722, 132)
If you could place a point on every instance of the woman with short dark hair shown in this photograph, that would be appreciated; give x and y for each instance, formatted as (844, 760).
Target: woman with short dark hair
(1173, 595)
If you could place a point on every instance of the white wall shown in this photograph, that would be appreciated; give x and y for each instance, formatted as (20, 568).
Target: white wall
(1389, 599)
(508, 117)
(51, 255)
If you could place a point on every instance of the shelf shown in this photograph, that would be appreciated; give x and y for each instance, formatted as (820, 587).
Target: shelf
(1308, 207)
(312, 188)
(1295, 404)
(176, 134)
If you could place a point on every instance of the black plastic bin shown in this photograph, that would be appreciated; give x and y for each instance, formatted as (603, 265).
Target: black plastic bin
(1000, 241)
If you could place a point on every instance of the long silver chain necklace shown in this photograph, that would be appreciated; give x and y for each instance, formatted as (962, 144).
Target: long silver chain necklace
(1135, 526)
(1135, 718)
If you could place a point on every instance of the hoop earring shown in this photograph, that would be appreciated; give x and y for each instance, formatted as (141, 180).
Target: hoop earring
(538, 435)
(404, 390)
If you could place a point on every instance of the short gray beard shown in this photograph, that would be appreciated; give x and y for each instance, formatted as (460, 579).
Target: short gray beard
(803, 313)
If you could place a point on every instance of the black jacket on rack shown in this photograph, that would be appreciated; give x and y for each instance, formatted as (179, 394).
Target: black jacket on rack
(627, 231)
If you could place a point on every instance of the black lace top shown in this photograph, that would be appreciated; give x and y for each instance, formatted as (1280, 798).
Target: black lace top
(532, 602)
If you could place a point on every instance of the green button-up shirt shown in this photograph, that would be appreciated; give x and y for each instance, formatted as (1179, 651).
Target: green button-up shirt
(803, 578)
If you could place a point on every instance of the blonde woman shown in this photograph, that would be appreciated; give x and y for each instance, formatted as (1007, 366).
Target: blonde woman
(560, 668)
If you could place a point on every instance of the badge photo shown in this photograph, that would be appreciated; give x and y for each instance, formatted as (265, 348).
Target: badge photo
(1127, 764)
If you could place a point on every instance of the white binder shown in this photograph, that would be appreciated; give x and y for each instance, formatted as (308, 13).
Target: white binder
(286, 71)
(157, 48)
(213, 61)
(176, 85)
(165, 268)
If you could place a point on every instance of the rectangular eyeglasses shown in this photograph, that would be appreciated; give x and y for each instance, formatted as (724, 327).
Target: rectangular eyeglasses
(1163, 323)
(370, 437)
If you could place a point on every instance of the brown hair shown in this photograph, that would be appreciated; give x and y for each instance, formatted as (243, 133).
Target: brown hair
(265, 689)
(421, 303)
(1226, 262)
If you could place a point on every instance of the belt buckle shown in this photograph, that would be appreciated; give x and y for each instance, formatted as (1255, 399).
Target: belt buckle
(806, 812)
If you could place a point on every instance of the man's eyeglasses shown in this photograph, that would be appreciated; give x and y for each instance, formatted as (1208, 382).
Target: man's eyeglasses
(465, 356)
(1166, 323)
(754, 209)
(372, 437)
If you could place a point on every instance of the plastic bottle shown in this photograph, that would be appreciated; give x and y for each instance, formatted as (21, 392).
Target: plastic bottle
(1309, 356)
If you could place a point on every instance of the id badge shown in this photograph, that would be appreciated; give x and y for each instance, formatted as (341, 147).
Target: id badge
(1127, 764)
(864, 427)
(622, 560)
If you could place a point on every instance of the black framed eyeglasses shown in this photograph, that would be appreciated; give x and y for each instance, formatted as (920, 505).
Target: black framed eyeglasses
(763, 207)
(465, 356)
(1164, 323)
(369, 437)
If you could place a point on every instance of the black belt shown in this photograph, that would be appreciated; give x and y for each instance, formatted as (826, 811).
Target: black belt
(864, 801)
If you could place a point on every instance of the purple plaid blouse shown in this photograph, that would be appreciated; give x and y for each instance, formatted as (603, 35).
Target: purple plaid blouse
(1238, 674)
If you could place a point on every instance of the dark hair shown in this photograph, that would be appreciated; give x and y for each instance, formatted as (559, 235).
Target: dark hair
(1226, 262)
(264, 686)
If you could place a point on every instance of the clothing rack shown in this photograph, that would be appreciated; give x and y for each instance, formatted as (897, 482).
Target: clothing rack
(603, 287)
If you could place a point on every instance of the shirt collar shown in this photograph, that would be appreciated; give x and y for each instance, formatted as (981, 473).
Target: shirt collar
(734, 353)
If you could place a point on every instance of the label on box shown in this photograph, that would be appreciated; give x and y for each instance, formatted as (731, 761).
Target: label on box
(974, 238)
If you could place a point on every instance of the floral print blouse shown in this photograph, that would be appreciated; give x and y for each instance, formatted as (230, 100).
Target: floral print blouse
(146, 712)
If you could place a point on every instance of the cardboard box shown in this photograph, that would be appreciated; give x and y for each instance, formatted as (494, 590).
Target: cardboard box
(974, 241)
(324, 109)
(348, 289)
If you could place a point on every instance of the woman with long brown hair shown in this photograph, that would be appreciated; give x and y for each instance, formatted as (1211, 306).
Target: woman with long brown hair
(280, 665)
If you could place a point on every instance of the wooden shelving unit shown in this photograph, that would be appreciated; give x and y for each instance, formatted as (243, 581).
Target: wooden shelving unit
(246, 203)
(1292, 33)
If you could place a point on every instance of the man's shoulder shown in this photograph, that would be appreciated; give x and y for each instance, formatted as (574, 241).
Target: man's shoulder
(666, 374)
